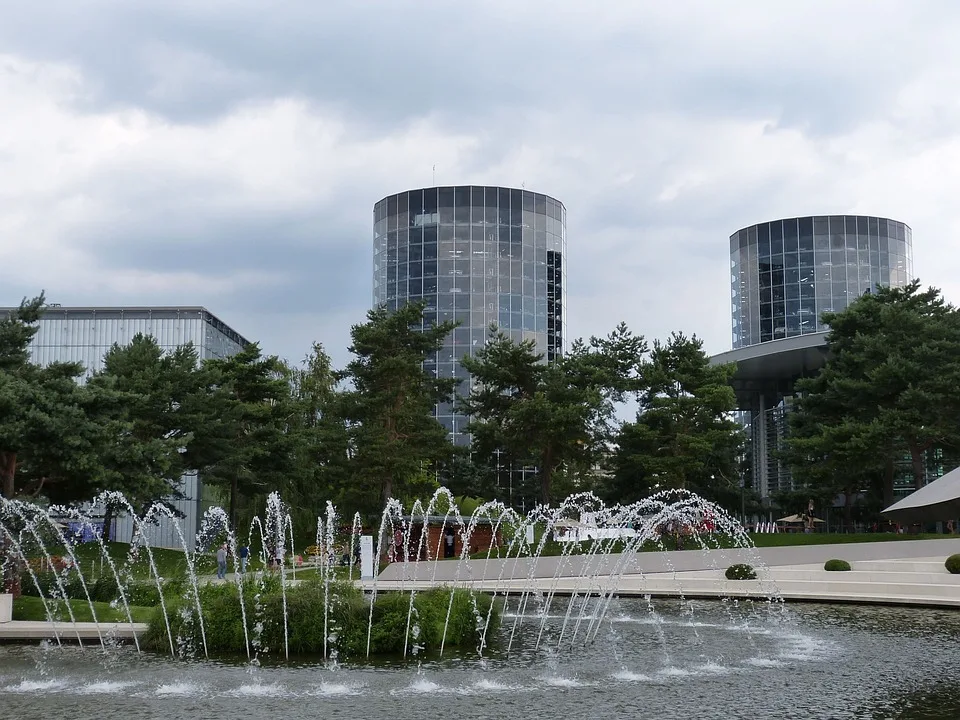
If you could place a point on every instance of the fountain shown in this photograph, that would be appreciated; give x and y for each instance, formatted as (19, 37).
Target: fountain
(559, 600)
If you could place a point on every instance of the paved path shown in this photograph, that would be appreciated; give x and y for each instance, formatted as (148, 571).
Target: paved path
(19, 630)
(672, 561)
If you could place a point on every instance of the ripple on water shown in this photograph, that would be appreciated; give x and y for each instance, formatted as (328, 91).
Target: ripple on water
(259, 690)
(564, 682)
(336, 689)
(492, 686)
(629, 676)
(31, 686)
(175, 689)
(764, 662)
(421, 686)
(105, 687)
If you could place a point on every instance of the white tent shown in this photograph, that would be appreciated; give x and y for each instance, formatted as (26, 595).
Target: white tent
(939, 500)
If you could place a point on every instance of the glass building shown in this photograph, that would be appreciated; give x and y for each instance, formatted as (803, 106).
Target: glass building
(785, 274)
(478, 256)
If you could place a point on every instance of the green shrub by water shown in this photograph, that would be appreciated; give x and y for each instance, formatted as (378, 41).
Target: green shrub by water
(347, 620)
(953, 564)
(741, 571)
(836, 565)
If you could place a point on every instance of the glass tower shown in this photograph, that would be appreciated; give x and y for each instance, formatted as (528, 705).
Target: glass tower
(785, 274)
(478, 256)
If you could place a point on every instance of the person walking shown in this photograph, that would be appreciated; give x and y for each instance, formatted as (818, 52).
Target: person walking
(243, 553)
(222, 562)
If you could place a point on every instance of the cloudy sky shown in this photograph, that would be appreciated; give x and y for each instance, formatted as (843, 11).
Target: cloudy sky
(226, 154)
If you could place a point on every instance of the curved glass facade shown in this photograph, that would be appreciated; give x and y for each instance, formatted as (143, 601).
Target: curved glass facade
(476, 255)
(785, 274)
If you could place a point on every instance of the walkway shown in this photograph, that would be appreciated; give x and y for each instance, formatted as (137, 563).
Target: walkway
(908, 572)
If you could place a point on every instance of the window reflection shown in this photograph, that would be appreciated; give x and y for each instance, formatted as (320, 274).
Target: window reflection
(786, 272)
(479, 255)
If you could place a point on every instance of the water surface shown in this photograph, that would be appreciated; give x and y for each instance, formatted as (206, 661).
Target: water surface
(678, 660)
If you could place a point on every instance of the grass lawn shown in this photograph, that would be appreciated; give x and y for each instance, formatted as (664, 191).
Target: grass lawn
(788, 539)
(31, 608)
(170, 563)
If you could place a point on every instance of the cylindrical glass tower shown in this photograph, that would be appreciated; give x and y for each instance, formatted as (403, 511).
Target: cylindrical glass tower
(475, 255)
(785, 274)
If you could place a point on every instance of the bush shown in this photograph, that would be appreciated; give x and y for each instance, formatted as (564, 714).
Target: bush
(741, 571)
(836, 565)
(347, 620)
(953, 564)
(143, 593)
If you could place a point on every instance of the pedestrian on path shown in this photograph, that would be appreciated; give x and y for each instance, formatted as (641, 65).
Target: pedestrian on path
(222, 562)
(243, 553)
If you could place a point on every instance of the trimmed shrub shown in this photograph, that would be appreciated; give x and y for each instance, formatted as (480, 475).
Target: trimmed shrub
(953, 564)
(741, 571)
(836, 565)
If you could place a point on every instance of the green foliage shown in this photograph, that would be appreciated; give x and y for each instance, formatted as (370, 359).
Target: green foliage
(836, 565)
(890, 389)
(244, 447)
(143, 593)
(50, 442)
(953, 564)
(741, 571)
(348, 619)
(684, 435)
(549, 415)
(395, 441)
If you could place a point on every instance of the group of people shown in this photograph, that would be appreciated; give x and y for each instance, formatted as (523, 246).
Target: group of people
(243, 554)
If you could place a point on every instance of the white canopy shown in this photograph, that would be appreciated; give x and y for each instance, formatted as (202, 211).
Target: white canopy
(939, 500)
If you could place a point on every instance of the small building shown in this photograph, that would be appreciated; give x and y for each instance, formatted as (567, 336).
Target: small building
(439, 528)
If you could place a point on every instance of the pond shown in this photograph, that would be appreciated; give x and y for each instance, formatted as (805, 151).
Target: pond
(666, 659)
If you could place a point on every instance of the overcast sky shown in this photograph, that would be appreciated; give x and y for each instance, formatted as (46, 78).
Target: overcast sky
(228, 153)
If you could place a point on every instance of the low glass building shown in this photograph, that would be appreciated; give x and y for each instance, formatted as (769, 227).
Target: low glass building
(786, 273)
(85, 335)
(475, 255)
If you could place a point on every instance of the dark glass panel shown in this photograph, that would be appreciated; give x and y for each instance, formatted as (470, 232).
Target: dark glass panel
(790, 235)
(540, 204)
(504, 213)
(763, 241)
(429, 201)
(415, 200)
(850, 224)
(528, 202)
(476, 197)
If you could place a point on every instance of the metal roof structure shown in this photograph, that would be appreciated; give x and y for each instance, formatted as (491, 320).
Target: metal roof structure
(934, 502)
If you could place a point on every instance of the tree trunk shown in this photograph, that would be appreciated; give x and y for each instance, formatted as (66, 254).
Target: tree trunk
(848, 507)
(107, 521)
(386, 491)
(546, 475)
(888, 475)
(8, 471)
(919, 469)
(234, 490)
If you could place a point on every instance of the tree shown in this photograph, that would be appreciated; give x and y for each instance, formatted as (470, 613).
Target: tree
(319, 437)
(149, 423)
(49, 441)
(242, 444)
(395, 442)
(549, 415)
(684, 435)
(890, 388)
